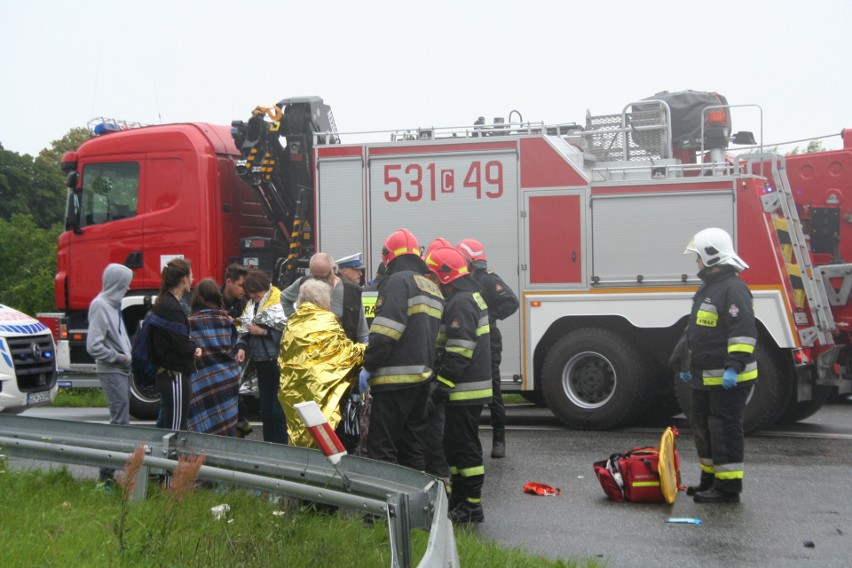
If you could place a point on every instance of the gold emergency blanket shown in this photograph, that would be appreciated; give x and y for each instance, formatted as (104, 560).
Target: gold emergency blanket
(315, 359)
(668, 467)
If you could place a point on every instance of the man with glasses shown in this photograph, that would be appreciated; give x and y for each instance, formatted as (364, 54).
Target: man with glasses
(345, 297)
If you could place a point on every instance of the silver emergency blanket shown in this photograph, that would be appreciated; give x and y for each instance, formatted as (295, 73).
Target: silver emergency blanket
(270, 313)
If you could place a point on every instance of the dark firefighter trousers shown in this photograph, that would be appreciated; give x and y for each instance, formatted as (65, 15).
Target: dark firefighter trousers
(398, 421)
(464, 452)
(498, 411)
(717, 423)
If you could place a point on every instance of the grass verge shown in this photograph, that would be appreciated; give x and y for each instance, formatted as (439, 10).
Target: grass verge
(62, 521)
(80, 398)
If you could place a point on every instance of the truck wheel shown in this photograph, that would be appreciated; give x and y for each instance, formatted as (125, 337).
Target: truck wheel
(144, 400)
(800, 410)
(767, 400)
(661, 402)
(535, 397)
(594, 379)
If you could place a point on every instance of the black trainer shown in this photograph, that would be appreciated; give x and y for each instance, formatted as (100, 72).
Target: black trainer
(716, 496)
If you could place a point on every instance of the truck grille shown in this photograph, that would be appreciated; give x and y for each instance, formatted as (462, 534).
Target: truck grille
(35, 362)
(78, 353)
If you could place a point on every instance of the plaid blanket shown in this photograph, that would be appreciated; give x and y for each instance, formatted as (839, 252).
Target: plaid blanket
(216, 384)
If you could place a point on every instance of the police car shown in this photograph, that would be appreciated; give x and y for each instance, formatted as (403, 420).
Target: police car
(27, 362)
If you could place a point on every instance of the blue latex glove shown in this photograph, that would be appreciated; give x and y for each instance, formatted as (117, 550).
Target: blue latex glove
(685, 376)
(729, 379)
(363, 378)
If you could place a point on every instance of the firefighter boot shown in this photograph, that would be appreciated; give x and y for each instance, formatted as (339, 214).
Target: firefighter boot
(498, 443)
(716, 496)
(467, 512)
(703, 485)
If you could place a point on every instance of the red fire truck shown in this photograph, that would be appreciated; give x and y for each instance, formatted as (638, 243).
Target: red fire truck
(587, 222)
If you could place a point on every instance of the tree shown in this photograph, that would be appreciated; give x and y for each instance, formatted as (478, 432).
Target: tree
(27, 264)
(813, 146)
(31, 187)
(68, 143)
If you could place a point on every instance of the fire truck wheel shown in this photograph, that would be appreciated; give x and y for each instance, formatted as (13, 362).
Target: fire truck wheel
(534, 397)
(660, 399)
(594, 379)
(800, 410)
(144, 400)
(766, 402)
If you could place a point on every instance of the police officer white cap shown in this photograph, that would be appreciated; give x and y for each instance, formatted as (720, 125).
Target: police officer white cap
(352, 261)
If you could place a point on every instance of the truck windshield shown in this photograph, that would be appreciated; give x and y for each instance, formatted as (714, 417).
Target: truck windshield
(110, 192)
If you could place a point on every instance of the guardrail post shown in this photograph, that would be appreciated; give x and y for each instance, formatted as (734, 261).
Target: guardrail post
(140, 489)
(399, 527)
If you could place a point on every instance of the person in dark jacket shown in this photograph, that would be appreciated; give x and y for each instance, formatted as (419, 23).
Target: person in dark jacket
(171, 347)
(234, 299)
(721, 337)
(262, 324)
(345, 297)
(400, 356)
(463, 379)
(109, 346)
(502, 303)
(233, 293)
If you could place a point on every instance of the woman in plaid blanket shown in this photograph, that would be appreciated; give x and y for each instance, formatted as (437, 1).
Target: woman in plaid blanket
(216, 384)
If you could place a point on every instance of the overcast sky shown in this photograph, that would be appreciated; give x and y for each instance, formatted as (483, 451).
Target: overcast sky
(397, 64)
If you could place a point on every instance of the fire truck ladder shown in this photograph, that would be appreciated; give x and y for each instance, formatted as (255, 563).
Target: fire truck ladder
(807, 282)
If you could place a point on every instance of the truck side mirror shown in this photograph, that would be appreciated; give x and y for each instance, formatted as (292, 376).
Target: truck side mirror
(71, 180)
(743, 137)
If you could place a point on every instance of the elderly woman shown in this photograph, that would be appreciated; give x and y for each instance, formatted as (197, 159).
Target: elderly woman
(316, 359)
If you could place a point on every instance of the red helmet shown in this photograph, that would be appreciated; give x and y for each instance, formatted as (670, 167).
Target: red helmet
(473, 251)
(447, 264)
(439, 242)
(399, 242)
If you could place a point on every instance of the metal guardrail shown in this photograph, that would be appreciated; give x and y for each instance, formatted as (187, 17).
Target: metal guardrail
(408, 498)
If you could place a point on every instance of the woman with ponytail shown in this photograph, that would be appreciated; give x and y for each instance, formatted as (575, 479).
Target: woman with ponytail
(171, 347)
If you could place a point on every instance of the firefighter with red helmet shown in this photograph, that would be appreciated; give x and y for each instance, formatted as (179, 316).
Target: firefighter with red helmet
(464, 379)
(399, 359)
(721, 336)
(502, 303)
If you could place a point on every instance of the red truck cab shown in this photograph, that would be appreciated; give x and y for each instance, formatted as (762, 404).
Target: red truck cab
(141, 197)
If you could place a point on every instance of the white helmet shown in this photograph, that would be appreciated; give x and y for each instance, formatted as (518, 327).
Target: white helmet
(715, 247)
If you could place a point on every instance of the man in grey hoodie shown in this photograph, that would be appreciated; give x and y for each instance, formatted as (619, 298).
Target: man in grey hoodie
(109, 346)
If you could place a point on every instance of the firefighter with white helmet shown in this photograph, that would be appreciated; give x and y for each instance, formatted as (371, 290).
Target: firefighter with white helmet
(400, 357)
(502, 303)
(721, 336)
(464, 379)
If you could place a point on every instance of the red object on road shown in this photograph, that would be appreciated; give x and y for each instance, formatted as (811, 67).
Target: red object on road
(535, 488)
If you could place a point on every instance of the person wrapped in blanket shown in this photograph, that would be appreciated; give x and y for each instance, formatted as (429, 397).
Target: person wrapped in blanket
(260, 329)
(317, 359)
(216, 383)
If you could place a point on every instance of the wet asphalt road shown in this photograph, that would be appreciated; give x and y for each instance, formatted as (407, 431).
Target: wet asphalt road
(796, 508)
(796, 494)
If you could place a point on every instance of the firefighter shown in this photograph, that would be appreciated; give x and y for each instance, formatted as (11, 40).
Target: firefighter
(502, 303)
(721, 337)
(464, 379)
(399, 359)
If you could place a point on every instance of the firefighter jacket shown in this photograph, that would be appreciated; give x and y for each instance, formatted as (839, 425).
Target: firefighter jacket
(721, 331)
(465, 346)
(401, 350)
(501, 300)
